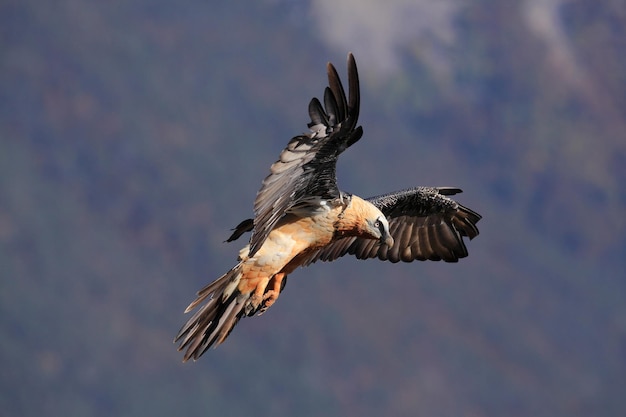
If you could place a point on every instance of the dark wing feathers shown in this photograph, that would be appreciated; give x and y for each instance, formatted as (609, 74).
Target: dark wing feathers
(317, 114)
(305, 170)
(425, 224)
(423, 221)
(243, 227)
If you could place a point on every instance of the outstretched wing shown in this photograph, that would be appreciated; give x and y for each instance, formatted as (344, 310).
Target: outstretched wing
(423, 221)
(304, 174)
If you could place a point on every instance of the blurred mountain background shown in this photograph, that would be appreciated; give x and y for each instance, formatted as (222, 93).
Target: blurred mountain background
(134, 135)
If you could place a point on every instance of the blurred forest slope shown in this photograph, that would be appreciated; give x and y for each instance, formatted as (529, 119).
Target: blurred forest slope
(134, 135)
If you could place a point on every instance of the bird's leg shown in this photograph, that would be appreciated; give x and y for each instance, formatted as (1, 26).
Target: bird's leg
(255, 300)
(275, 286)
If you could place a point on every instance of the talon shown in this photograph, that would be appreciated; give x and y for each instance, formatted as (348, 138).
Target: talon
(268, 300)
(252, 305)
(256, 298)
(275, 286)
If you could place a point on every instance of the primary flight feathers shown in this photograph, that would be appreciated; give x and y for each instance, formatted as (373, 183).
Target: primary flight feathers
(301, 216)
(305, 170)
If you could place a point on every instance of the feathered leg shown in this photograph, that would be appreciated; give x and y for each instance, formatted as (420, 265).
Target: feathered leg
(274, 288)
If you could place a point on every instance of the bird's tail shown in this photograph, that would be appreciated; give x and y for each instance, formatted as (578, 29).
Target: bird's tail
(217, 317)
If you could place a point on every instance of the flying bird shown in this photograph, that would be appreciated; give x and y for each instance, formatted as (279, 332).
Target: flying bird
(301, 216)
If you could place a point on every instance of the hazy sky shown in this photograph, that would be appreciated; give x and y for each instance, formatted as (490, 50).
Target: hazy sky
(385, 28)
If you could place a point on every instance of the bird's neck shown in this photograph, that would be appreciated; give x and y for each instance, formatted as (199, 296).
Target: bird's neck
(350, 220)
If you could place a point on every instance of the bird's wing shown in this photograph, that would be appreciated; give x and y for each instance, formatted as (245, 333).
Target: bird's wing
(423, 221)
(304, 174)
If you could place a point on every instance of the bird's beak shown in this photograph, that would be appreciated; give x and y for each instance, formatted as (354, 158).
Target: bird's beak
(387, 240)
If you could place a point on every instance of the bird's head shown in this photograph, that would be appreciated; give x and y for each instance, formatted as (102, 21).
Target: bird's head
(363, 219)
(378, 228)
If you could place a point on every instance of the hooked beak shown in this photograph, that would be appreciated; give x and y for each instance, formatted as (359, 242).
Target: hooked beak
(387, 240)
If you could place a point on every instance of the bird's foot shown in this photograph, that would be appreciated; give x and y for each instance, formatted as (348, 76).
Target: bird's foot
(273, 290)
(268, 300)
(255, 300)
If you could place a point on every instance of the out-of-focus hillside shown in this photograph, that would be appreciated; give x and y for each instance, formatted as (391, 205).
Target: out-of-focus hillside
(134, 135)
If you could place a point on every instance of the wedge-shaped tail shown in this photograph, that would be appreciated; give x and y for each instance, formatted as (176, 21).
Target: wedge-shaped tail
(214, 321)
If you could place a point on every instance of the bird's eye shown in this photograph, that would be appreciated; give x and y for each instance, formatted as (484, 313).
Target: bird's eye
(377, 224)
